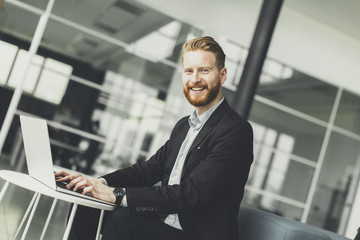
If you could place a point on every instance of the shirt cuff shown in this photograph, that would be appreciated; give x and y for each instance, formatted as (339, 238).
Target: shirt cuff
(124, 201)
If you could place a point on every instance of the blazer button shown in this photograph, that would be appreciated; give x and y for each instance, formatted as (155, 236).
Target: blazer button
(138, 209)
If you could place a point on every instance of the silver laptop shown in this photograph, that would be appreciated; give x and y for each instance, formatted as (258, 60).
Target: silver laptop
(38, 155)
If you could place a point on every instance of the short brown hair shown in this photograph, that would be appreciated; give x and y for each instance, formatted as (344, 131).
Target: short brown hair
(206, 44)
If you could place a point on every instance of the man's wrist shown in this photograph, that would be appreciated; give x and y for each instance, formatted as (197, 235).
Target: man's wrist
(119, 194)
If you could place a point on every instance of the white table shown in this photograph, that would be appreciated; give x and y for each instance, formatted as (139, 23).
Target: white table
(27, 182)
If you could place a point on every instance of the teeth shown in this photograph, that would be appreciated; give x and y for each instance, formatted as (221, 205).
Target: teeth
(197, 89)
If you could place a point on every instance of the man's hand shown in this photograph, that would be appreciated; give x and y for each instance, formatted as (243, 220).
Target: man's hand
(94, 186)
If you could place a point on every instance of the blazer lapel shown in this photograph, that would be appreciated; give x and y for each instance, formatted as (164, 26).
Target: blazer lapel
(179, 139)
(207, 128)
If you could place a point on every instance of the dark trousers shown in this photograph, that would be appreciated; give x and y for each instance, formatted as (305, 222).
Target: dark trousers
(120, 224)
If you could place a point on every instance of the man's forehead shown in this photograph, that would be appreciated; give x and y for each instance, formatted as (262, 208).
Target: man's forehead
(201, 57)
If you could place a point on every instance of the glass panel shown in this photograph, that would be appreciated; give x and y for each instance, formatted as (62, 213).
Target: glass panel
(31, 76)
(306, 136)
(7, 56)
(277, 173)
(53, 81)
(144, 47)
(348, 115)
(129, 26)
(296, 90)
(12, 21)
(73, 151)
(337, 183)
(268, 204)
(41, 4)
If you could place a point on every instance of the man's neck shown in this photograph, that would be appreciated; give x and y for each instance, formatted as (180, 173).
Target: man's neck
(202, 109)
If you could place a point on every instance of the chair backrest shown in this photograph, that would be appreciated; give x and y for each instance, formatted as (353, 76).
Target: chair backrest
(259, 225)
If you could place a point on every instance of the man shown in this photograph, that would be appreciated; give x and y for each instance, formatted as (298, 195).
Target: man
(203, 167)
(357, 237)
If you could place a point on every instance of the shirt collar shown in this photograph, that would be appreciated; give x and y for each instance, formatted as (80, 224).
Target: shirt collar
(196, 122)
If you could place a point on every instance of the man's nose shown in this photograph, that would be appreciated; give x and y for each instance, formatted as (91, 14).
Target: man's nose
(196, 77)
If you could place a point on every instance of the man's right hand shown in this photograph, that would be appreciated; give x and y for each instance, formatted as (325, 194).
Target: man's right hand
(94, 186)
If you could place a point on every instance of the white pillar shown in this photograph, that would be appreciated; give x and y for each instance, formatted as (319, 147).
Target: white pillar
(19, 88)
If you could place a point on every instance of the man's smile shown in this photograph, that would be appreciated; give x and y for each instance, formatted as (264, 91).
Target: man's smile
(197, 90)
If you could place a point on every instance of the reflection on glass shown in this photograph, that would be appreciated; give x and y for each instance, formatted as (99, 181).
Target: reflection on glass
(7, 56)
(46, 80)
(297, 90)
(12, 21)
(31, 76)
(129, 114)
(258, 201)
(235, 60)
(275, 172)
(348, 115)
(337, 183)
(307, 137)
(53, 81)
(158, 45)
(73, 151)
(130, 28)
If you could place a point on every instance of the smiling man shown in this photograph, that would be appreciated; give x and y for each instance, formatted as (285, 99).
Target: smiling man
(202, 78)
(202, 167)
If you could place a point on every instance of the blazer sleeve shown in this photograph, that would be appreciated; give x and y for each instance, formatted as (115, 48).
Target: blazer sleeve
(220, 172)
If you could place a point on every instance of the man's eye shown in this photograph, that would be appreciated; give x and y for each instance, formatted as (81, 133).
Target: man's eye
(188, 71)
(205, 70)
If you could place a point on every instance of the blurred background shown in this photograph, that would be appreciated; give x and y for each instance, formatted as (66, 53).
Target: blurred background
(107, 77)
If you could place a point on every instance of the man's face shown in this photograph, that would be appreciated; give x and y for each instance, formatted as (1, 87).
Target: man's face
(201, 78)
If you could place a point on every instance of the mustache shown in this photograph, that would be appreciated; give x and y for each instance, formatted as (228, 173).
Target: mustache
(197, 85)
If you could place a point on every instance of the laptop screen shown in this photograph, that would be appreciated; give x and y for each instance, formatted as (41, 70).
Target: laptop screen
(37, 150)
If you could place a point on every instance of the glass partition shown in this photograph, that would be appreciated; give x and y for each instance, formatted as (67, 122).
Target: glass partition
(12, 19)
(276, 172)
(296, 90)
(337, 183)
(306, 136)
(348, 116)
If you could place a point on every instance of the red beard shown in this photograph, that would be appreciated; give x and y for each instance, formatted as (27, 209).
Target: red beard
(203, 99)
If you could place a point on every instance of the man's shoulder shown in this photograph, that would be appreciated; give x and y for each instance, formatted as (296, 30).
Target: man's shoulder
(182, 121)
(233, 119)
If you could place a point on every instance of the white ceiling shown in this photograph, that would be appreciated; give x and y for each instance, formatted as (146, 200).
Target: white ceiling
(237, 18)
(342, 15)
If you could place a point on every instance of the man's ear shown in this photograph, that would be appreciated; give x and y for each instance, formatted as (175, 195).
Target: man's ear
(223, 75)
